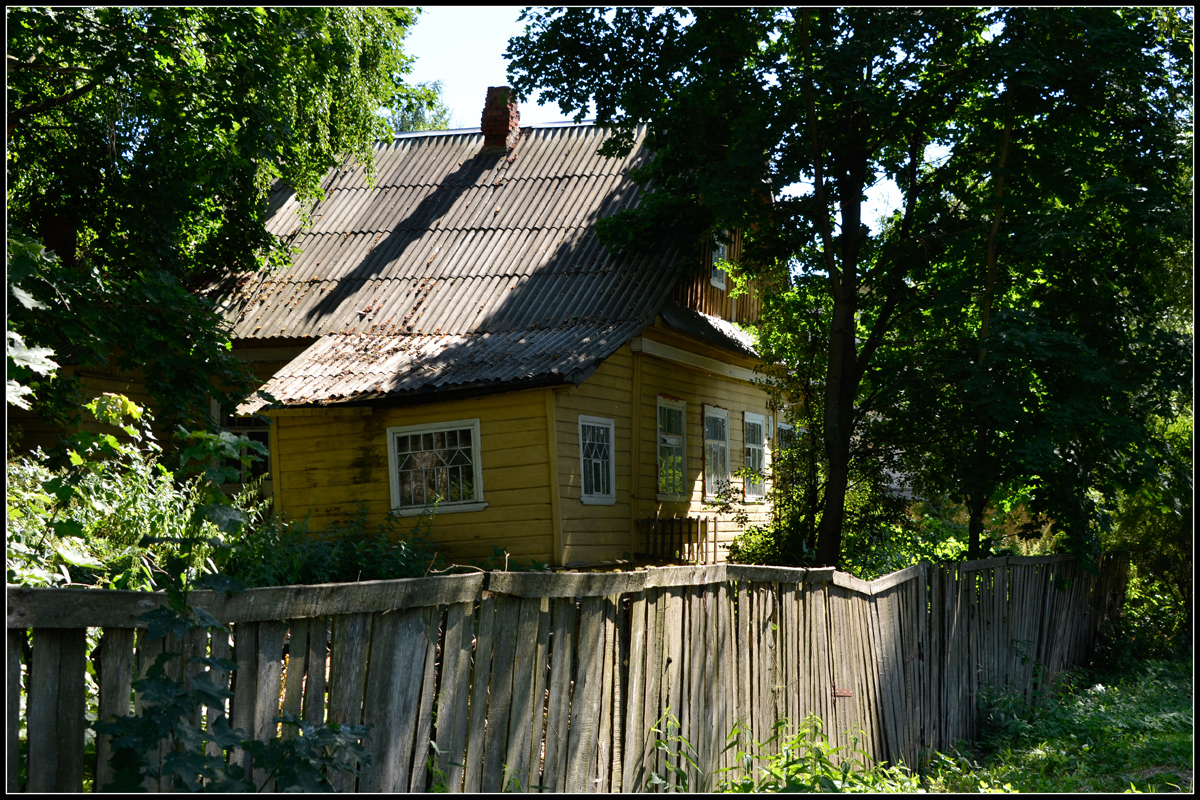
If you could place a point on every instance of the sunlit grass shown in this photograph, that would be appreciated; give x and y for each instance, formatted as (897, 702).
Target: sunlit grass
(1113, 733)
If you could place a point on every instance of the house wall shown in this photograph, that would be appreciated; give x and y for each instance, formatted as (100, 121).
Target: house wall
(324, 461)
(27, 430)
(592, 533)
(699, 292)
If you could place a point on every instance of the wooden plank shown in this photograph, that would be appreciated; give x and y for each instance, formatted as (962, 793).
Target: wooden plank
(522, 713)
(743, 715)
(30, 607)
(541, 670)
(674, 673)
(565, 584)
(419, 771)
(585, 702)
(55, 711)
(219, 646)
(603, 770)
(347, 678)
(495, 742)
(693, 664)
(16, 637)
(454, 694)
(621, 650)
(293, 682)
(315, 702)
(114, 675)
(558, 710)
(243, 714)
(269, 690)
(885, 582)
(685, 576)
(635, 697)
(392, 691)
(473, 766)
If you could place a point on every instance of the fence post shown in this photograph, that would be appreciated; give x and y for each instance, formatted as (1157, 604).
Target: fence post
(55, 710)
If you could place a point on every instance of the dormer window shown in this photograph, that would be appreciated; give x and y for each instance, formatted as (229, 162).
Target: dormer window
(720, 254)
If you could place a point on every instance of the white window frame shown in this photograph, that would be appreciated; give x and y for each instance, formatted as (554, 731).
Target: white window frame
(668, 402)
(715, 412)
(475, 504)
(598, 499)
(718, 276)
(748, 483)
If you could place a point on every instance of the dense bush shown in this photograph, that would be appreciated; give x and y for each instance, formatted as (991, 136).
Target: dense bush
(277, 552)
(115, 516)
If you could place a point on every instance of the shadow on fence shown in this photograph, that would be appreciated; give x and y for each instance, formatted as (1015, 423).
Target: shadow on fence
(556, 680)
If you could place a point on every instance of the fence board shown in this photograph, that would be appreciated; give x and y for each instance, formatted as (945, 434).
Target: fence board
(114, 675)
(454, 696)
(559, 680)
(558, 710)
(15, 638)
(347, 678)
(56, 707)
(418, 771)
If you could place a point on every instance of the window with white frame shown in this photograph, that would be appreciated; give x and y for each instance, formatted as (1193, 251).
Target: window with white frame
(596, 438)
(436, 464)
(671, 447)
(755, 426)
(785, 436)
(716, 451)
(720, 253)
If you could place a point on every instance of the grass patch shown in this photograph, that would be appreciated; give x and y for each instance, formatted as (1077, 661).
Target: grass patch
(1102, 732)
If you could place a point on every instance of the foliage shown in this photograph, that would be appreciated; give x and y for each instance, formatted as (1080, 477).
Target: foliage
(279, 552)
(431, 115)
(168, 723)
(1100, 732)
(1013, 326)
(807, 762)
(1153, 527)
(142, 145)
(116, 516)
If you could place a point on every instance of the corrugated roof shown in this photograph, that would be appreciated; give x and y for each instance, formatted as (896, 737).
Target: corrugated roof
(342, 368)
(462, 266)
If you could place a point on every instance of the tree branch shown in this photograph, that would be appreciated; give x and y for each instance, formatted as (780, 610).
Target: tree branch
(45, 105)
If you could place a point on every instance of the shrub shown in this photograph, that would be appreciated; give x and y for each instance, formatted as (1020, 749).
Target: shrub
(281, 552)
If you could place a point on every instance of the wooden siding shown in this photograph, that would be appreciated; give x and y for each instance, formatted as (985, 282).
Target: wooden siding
(697, 388)
(324, 464)
(700, 294)
(593, 533)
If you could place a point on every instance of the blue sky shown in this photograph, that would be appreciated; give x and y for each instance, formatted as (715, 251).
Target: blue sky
(463, 46)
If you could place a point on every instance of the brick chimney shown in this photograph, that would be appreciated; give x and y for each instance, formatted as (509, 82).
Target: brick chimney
(501, 120)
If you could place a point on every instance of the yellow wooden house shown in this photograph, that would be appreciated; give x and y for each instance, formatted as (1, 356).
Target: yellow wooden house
(459, 337)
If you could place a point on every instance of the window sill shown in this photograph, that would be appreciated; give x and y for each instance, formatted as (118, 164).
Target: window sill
(672, 498)
(425, 511)
(598, 501)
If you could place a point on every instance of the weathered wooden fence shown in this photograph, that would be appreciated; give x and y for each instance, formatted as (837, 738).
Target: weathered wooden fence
(558, 680)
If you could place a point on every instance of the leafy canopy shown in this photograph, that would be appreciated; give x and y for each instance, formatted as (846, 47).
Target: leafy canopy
(1025, 290)
(141, 146)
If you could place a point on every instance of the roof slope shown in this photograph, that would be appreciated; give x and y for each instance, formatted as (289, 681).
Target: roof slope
(463, 267)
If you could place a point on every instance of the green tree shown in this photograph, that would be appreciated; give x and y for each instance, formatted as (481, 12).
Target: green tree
(430, 114)
(142, 144)
(945, 103)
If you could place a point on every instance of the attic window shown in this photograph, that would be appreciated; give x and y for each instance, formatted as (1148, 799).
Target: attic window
(435, 467)
(720, 254)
